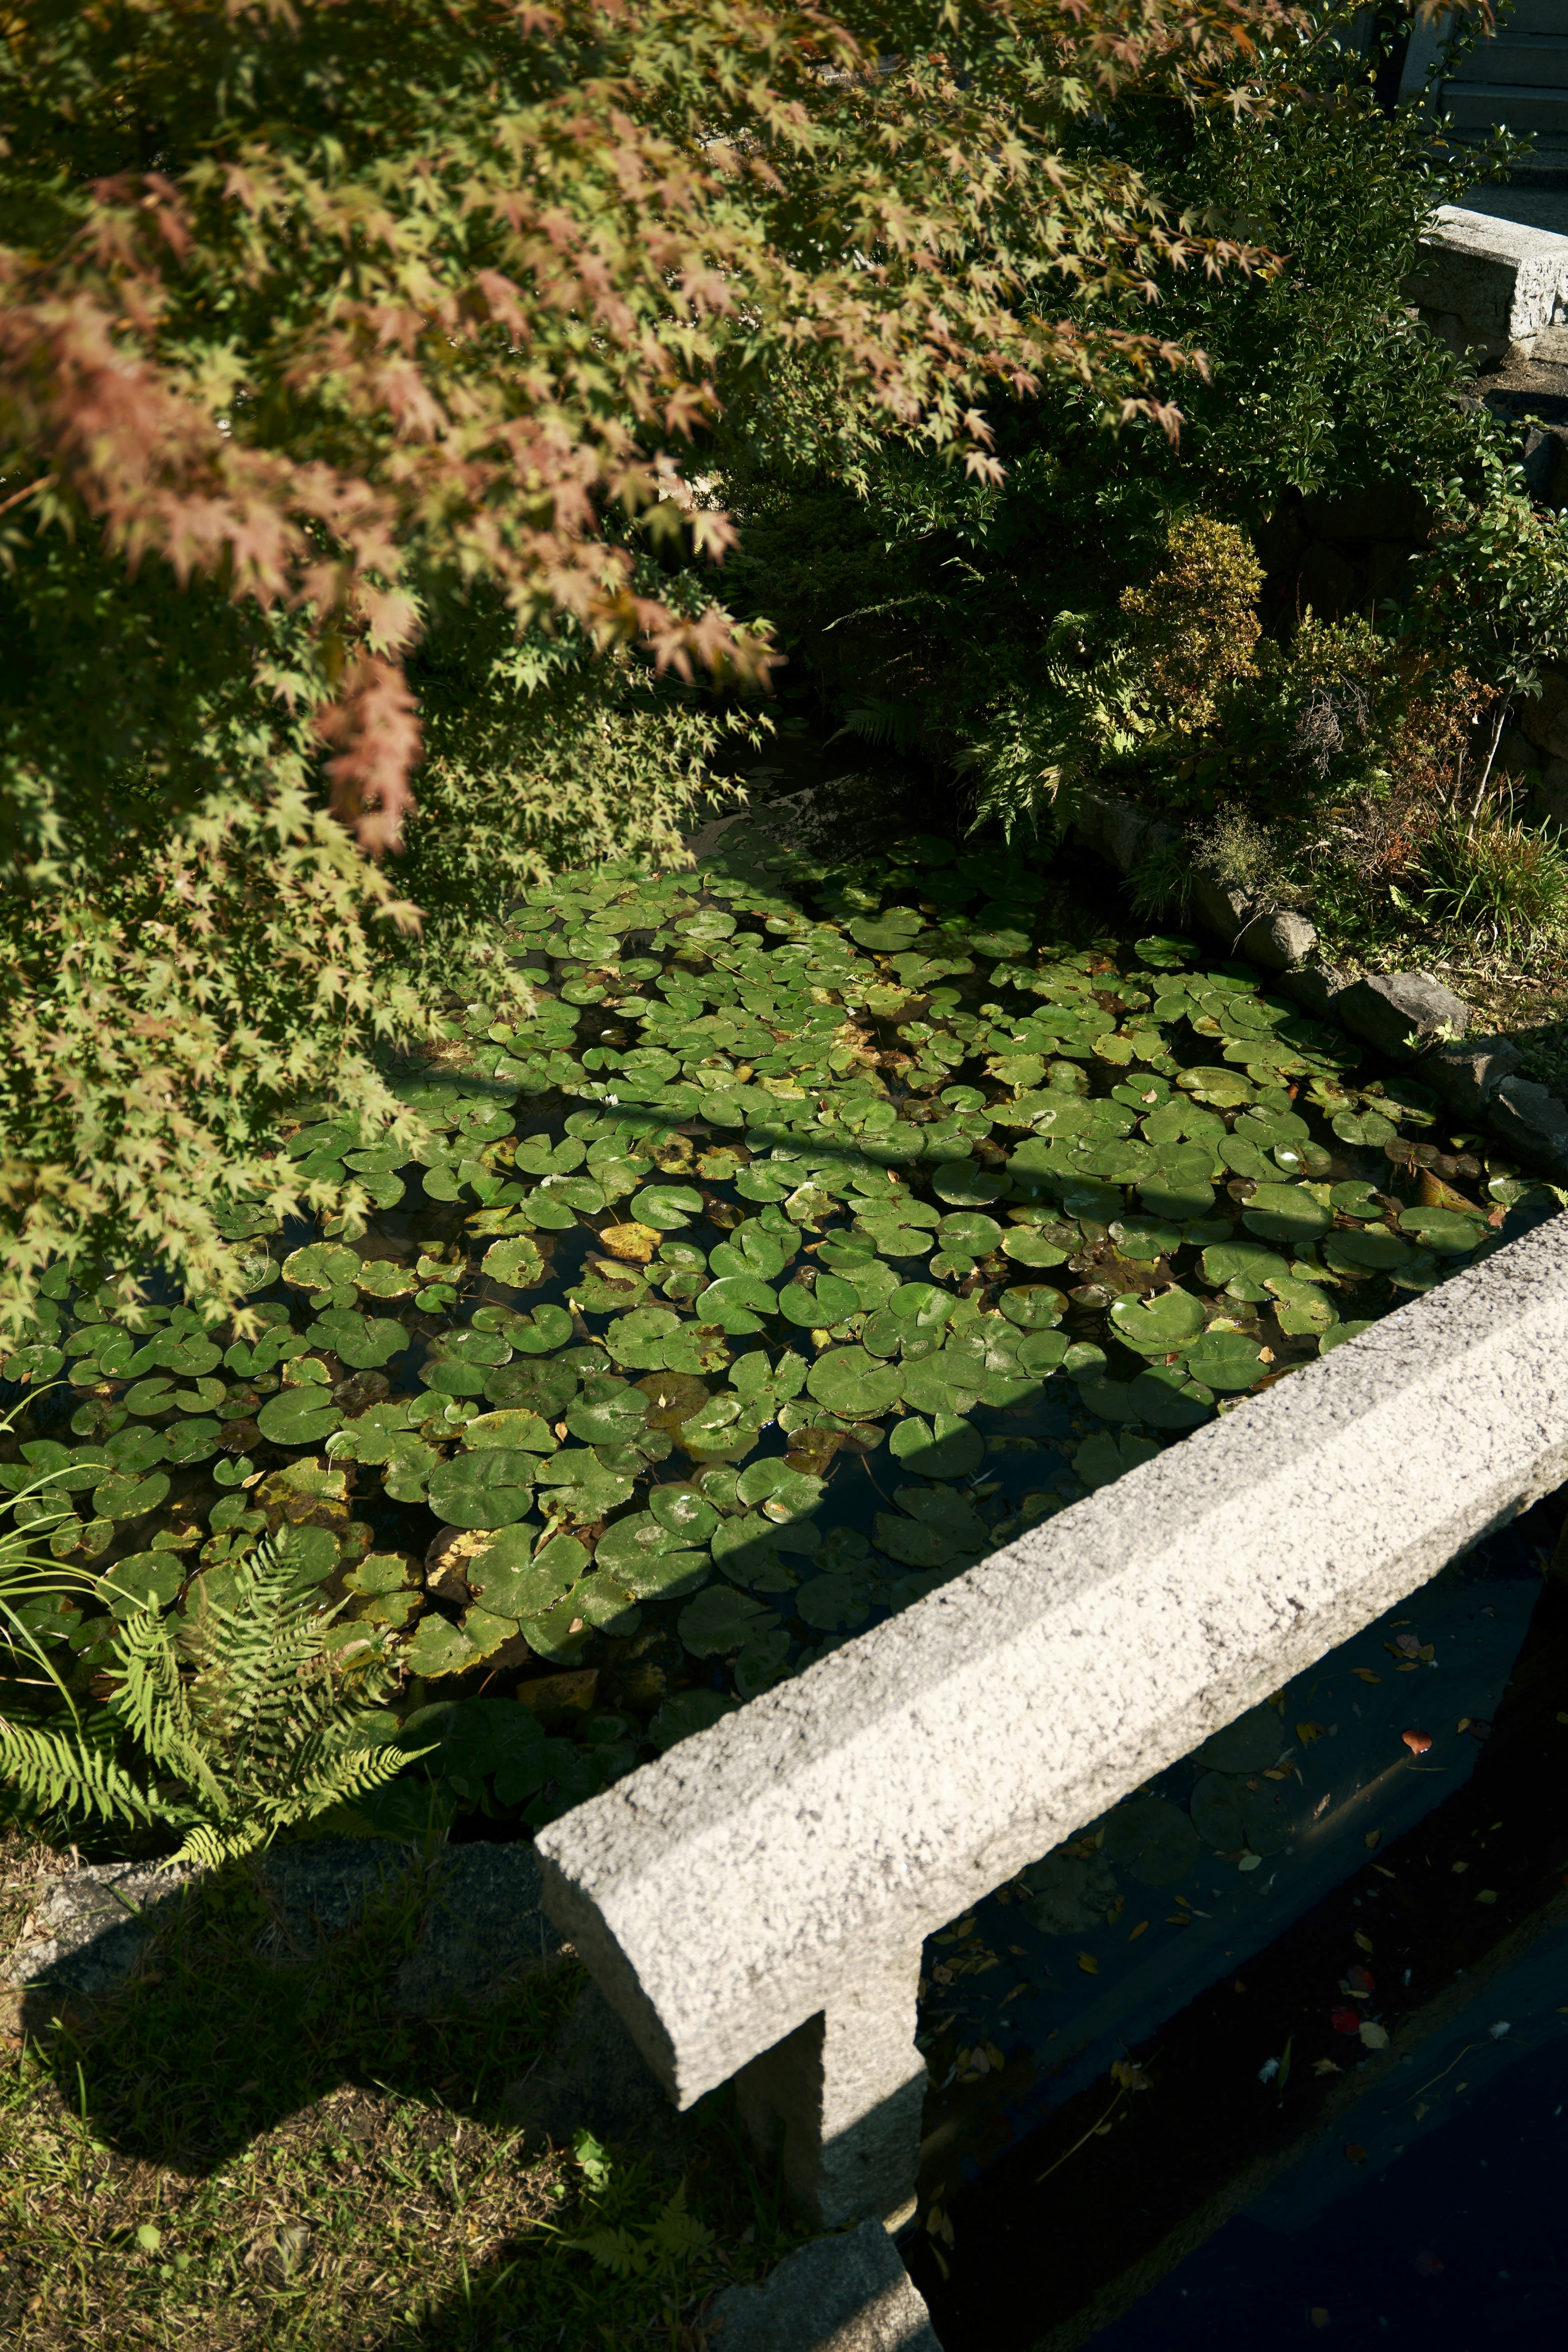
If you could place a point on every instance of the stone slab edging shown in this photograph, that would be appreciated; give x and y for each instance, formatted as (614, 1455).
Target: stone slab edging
(756, 1894)
(1481, 280)
(1409, 1016)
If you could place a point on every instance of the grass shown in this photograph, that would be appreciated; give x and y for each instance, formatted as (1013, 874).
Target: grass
(234, 2152)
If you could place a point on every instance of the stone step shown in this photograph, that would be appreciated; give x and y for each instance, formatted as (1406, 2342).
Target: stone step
(1539, 61)
(1536, 16)
(1518, 105)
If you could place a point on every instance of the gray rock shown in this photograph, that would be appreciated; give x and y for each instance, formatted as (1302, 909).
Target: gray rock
(1277, 942)
(1532, 1122)
(1225, 914)
(1403, 1014)
(91, 1924)
(483, 1930)
(593, 2077)
(1317, 988)
(849, 2293)
(1467, 1076)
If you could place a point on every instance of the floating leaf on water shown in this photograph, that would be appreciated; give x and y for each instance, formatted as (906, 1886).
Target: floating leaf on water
(1368, 1129)
(1167, 1397)
(1374, 1250)
(515, 1264)
(1157, 1326)
(1286, 1213)
(1103, 1458)
(1027, 1246)
(1153, 1841)
(852, 1384)
(1302, 1309)
(1230, 1815)
(666, 1206)
(1446, 1231)
(1251, 1744)
(720, 1620)
(1033, 1307)
(1225, 1360)
(690, 1711)
(1339, 1333)
(301, 1416)
(491, 1488)
(683, 1512)
(322, 1266)
(949, 1447)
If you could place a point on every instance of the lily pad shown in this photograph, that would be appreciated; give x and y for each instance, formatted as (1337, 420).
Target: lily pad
(666, 1207)
(1231, 1816)
(1158, 1325)
(1251, 1744)
(1225, 1360)
(1032, 1305)
(1102, 1458)
(515, 1262)
(854, 1384)
(1286, 1213)
(301, 1416)
(946, 1447)
(1153, 1841)
(489, 1488)
(720, 1621)
(1374, 1250)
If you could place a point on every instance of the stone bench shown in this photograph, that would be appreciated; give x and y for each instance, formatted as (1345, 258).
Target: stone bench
(1495, 283)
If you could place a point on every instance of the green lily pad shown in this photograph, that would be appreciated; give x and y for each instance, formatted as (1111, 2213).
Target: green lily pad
(1251, 1744)
(1032, 1305)
(1446, 1231)
(666, 1207)
(301, 1416)
(1302, 1309)
(324, 1266)
(1366, 1127)
(1142, 1238)
(1167, 1397)
(1286, 1213)
(946, 1447)
(515, 1262)
(1374, 1250)
(853, 1384)
(1356, 1200)
(688, 1712)
(735, 1302)
(361, 1341)
(382, 1278)
(1029, 1245)
(577, 1482)
(973, 1236)
(510, 1427)
(1243, 1262)
(1102, 1458)
(720, 1621)
(489, 1488)
(682, 1511)
(127, 1497)
(1225, 1360)
(1338, 1333)
(610, 1420)
(964, 1184)
(1161, 1324)
(546, 1388)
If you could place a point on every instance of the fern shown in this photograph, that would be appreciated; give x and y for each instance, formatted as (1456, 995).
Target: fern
(243, 1729)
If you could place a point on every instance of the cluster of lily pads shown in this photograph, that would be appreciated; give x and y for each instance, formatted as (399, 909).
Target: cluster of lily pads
(820, 1231)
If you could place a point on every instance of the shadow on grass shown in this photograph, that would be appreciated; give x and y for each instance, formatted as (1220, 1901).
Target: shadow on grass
(235, 2151)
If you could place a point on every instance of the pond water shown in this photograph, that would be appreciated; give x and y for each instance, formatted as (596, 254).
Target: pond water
(824, 1228)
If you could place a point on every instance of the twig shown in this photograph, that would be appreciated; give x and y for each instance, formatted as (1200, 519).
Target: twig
(16, 497)
(1503, 708)
(1073, 2151)
(1448, 2068)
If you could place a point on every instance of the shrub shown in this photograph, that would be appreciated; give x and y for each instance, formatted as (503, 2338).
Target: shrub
(1195, 622)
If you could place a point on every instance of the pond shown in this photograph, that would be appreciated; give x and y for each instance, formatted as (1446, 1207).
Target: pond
(824, 1228)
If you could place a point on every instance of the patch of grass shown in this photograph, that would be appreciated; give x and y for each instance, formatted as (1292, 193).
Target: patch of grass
(1500, 882)
(233, 2153)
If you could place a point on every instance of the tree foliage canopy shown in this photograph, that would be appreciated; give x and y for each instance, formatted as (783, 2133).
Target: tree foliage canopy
(350, 353)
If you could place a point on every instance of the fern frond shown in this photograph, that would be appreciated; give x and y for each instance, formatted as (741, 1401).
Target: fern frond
(151, 1703)
(73, 1771)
